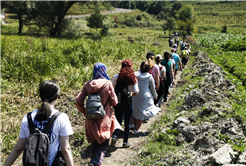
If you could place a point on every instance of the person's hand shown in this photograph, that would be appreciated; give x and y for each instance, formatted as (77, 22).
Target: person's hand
(157, 88)
(173, 82)
(155, 98)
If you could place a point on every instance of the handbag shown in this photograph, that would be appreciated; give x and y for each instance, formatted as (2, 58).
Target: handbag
(59, 159)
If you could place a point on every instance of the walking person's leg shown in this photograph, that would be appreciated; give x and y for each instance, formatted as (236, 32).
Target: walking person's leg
(128, 115)
(99, 152)
(118, 115)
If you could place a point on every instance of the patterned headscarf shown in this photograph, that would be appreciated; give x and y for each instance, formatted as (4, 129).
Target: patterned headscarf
(100, 71)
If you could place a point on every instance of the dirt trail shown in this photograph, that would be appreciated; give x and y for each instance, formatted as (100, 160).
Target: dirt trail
(120, 156)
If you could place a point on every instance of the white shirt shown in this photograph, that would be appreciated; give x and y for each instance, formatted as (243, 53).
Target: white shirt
(131, 88)
(162, 70)
(61, 127)
(173, 63)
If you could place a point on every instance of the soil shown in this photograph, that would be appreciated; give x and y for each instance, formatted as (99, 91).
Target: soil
(114, 156)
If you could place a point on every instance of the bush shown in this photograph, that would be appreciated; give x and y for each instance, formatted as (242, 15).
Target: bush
(224, 29)
(139, 17)
(74, 27)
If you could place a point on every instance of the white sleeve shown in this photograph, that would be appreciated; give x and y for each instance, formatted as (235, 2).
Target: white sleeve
(115, 79)
(24, 130)
(66, 128)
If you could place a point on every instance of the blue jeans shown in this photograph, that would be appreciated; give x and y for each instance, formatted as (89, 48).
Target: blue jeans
(98, 152)
(128, 114)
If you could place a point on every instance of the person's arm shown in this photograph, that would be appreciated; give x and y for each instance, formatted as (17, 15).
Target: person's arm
(180, 65)
(172, 72)
(152, 88)
(80, 100)
(66, 150)
(157, 81)
(19, 147)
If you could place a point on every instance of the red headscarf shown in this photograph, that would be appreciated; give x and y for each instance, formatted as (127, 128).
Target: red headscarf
(126, 73)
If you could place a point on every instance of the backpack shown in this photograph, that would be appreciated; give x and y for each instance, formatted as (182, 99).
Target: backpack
(124, 97)
(94, 107)
(36, 150)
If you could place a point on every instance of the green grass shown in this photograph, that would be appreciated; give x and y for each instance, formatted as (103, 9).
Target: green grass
(26, 61)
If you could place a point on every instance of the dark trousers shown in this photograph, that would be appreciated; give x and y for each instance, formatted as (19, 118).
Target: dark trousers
(98, 152)
(184, 60)
(167, 83)
(160, 93)
(128, 114)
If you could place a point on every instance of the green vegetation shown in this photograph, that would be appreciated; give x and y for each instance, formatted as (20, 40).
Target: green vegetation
(28, 60)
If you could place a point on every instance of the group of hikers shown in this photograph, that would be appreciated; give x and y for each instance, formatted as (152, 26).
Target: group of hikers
(135, 97)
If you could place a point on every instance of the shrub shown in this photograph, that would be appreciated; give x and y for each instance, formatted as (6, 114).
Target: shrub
(139, 17)
(224, 29)
(74, 27)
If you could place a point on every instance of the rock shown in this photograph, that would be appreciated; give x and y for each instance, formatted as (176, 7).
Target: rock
(195, 98)
(193, 118)
(242, 158)
(180, 139)
(223, 155)
(189, 131)
(181, 120)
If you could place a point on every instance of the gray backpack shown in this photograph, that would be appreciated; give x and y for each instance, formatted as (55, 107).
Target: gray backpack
(36, 150)
(94, 107)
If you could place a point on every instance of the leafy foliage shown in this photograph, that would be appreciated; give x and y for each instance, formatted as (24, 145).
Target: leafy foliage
(95, 20)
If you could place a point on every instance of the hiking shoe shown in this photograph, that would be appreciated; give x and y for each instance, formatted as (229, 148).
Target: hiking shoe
(132, 126)
(125, 145)
(145, 120)
(135, 132)
(113, 141)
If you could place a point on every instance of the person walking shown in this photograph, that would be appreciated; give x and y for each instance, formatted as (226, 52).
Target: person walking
(185, 56)
(60, 130)
(160, 91)
(176, 58)
(154, 69)
(128, 78)
(143, 103)
(98, 131)
(169, 73)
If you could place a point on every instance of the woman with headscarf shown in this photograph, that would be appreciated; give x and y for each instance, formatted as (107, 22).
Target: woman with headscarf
(143, 103)
(98, 131)
(125, 79)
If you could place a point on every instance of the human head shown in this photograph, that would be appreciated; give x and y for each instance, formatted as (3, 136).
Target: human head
(167, 55)
(126, 63)
(48, 92)
(100, 71)
(151, 63)
(173, 50)
(144, 67)
(126, 73)
(150, 55)
(158, 58)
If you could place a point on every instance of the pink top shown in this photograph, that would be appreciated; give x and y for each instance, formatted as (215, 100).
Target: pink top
(154, 71)
(99, 129)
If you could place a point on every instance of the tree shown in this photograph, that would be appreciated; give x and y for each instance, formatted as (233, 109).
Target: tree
(16, 7)
(95, 20)
(186, 20)
(169, 25)
(176, 6)
(46, 14)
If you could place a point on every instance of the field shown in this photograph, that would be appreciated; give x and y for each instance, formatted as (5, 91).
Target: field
(28, 60)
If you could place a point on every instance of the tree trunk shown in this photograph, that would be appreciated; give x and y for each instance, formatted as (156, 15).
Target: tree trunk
(20, 17)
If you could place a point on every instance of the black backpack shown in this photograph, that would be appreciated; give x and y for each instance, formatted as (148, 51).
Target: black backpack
(124, 97)
(36, 150)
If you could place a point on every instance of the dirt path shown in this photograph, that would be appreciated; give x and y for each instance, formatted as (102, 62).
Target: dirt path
(120, 156)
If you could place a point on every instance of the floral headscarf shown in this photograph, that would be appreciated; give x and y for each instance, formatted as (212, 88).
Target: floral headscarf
(100, 71)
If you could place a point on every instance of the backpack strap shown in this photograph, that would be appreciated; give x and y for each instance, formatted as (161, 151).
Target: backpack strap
(30, 123)
(51, 121)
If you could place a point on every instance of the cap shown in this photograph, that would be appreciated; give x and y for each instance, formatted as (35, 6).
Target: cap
(158, 55)
(173, 50)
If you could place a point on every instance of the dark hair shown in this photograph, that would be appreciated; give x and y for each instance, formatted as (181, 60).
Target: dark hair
(167, 55)
(126, 73)
(48, 92)
(157, 60)
(150, 55)
(144, 67)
